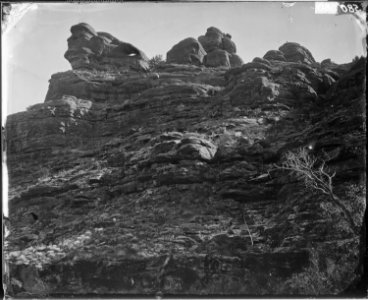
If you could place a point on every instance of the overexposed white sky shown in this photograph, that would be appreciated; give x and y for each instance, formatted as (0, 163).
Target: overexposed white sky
(34, 48)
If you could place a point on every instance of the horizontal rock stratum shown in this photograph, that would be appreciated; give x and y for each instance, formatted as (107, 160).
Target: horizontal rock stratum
(128, 182)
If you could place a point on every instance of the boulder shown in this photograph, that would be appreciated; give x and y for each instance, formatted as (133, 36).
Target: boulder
(88, 49)
(235, 60)
(214, 49)
(294, 52)
(220, 49)
(228, 44)
(196, 148)
(274, 55)
(217, 58)
(212, 39)
(188, 51)
(182, 147)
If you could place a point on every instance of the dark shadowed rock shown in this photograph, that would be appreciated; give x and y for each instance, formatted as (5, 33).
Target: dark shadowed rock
(188, 51)
(102, 51)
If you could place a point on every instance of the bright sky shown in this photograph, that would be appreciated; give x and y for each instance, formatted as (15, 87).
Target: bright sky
(34, 49)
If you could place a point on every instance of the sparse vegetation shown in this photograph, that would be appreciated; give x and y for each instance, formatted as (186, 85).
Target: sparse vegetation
(315, 175)
(247, 227)
(155, 61)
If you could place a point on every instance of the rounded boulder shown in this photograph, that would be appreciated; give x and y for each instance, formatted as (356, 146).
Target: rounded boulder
(188, 51)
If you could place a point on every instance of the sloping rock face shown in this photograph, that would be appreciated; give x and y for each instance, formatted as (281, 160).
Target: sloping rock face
(127, 183)
(88, 49)
(214, 49)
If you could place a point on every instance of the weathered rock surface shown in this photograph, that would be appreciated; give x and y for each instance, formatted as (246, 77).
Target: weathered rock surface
(214, 49)
(217, 58)
(124, 183)
(88, 49)
(188, 51)
(274, 55)
(221, 50)
(291, 52)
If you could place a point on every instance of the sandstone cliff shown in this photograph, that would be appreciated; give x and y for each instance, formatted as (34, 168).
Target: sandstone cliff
(125, 182)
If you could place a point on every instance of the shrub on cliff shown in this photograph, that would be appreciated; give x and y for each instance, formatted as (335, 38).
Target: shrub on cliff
(155, 61)
(316, 176)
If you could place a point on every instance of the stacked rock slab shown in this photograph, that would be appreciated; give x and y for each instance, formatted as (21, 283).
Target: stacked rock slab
(220, 49)
(88, 49)
(214, 49)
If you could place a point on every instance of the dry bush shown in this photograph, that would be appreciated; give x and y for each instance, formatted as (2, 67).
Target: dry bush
(316, 176)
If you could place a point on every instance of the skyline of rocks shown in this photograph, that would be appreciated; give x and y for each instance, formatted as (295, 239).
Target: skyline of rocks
(100, 50)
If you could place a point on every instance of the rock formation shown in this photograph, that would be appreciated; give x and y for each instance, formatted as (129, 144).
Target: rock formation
(88, 49)
(221, 50)
(167, 185)
(292, 52)
(214, 49)
(188, 51)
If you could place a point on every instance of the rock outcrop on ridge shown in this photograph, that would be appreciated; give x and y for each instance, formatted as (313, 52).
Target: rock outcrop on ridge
(214, 49)
(123, 183)
(88, 49)
(292, 52)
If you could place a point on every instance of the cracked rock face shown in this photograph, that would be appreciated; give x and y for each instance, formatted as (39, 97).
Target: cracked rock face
(88, 49)
(127, 184)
